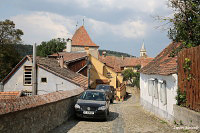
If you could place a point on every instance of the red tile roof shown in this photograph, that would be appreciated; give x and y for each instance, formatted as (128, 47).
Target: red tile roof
(52, 65)
(163, 64)
(70, 56)
(116, 63)
(10, 94)
(22, 103)
(81, 38)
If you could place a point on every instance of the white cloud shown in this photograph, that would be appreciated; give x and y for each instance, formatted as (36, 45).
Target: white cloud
(43, 26)
(136, 5)
(127, 29)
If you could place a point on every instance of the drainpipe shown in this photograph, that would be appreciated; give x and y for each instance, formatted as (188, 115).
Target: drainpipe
(89, 65)
(1, 87)
(34, 83)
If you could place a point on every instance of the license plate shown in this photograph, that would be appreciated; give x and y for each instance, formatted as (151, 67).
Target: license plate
(88, 112)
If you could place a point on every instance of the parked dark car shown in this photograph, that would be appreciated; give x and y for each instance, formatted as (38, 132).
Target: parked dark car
(93, 104)
(110, 91)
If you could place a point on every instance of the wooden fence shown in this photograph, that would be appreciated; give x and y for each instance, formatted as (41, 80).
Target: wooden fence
(189, 76)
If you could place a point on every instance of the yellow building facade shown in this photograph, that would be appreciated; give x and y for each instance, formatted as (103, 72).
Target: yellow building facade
(102, 74)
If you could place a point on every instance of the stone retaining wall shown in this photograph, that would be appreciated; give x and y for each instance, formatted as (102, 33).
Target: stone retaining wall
(37, 113)
(186, 116)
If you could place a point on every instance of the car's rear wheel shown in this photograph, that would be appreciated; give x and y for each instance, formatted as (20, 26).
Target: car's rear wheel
(111, 100)
(108, 112)
(106, 117)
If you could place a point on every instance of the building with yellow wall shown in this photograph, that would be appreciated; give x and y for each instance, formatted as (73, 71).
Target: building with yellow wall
(102, 74)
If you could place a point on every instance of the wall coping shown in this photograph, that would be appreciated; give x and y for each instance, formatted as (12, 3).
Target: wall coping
(27, 102)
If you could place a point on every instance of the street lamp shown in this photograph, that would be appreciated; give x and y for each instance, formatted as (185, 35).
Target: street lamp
(89, 65)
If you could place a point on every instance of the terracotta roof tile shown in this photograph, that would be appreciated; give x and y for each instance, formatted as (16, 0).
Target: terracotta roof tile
(116, 63)
(10, 94)
(70, 56)
(162, 64)
(52, 65)
(81, 38)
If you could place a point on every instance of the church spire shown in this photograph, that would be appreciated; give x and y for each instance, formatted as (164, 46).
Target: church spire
(143, 52)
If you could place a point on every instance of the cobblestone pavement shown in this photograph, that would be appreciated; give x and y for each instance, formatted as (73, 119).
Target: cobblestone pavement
(125, 117)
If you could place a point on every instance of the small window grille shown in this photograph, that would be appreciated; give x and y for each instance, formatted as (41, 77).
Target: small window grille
(27, 93)
(44, 80)
(27, 75)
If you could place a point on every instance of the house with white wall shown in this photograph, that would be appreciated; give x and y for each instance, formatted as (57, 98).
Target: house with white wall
(52, 76)
(159, 84)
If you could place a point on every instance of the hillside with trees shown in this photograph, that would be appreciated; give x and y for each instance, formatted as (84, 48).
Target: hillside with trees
(114, 53)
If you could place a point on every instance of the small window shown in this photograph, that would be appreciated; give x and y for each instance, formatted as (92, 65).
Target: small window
(27, 93)
(44, 80)
(155, 89)
(163, 92)
(27, 75)
(150, 86)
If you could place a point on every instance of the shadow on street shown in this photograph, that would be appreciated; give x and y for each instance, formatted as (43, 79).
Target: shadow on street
(66, 126)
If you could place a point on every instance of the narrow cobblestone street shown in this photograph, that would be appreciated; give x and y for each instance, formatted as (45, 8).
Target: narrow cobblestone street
(125, 117)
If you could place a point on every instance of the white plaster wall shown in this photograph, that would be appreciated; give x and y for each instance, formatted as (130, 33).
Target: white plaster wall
(52, 80)
(16, 81)
(93, 50)
(155, 105)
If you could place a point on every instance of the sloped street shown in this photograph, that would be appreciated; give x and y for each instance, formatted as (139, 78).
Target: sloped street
(125, 117)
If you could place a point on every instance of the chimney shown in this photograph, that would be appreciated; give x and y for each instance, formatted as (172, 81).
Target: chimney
(87, 50)
(104, 53)
(122, 57)
(61, 61)
(69, 45)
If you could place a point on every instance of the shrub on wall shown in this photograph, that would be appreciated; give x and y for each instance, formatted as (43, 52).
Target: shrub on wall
(181, 98)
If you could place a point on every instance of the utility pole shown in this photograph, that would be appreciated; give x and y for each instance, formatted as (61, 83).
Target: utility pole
(34, 79)
(1, 87)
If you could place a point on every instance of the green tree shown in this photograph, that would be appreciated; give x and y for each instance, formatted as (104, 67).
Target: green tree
(50, 47)
(185, 22)
(9, 36)
(8, 33)
(132, 77)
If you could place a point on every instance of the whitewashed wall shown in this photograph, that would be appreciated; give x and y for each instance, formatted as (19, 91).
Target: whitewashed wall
(155, 105)
(15, 83)
(93, 50)
(53, 84)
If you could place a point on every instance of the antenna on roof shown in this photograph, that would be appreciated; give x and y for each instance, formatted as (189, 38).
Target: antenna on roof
(83, 20)
(76, 25)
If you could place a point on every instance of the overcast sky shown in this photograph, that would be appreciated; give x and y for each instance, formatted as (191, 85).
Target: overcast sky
(119, 25)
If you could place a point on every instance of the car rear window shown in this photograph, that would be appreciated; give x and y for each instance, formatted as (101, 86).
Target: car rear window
(102, 87)
(92, 95)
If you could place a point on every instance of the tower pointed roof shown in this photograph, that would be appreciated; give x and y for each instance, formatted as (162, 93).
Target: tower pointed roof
(81, 38)
(143, 47)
